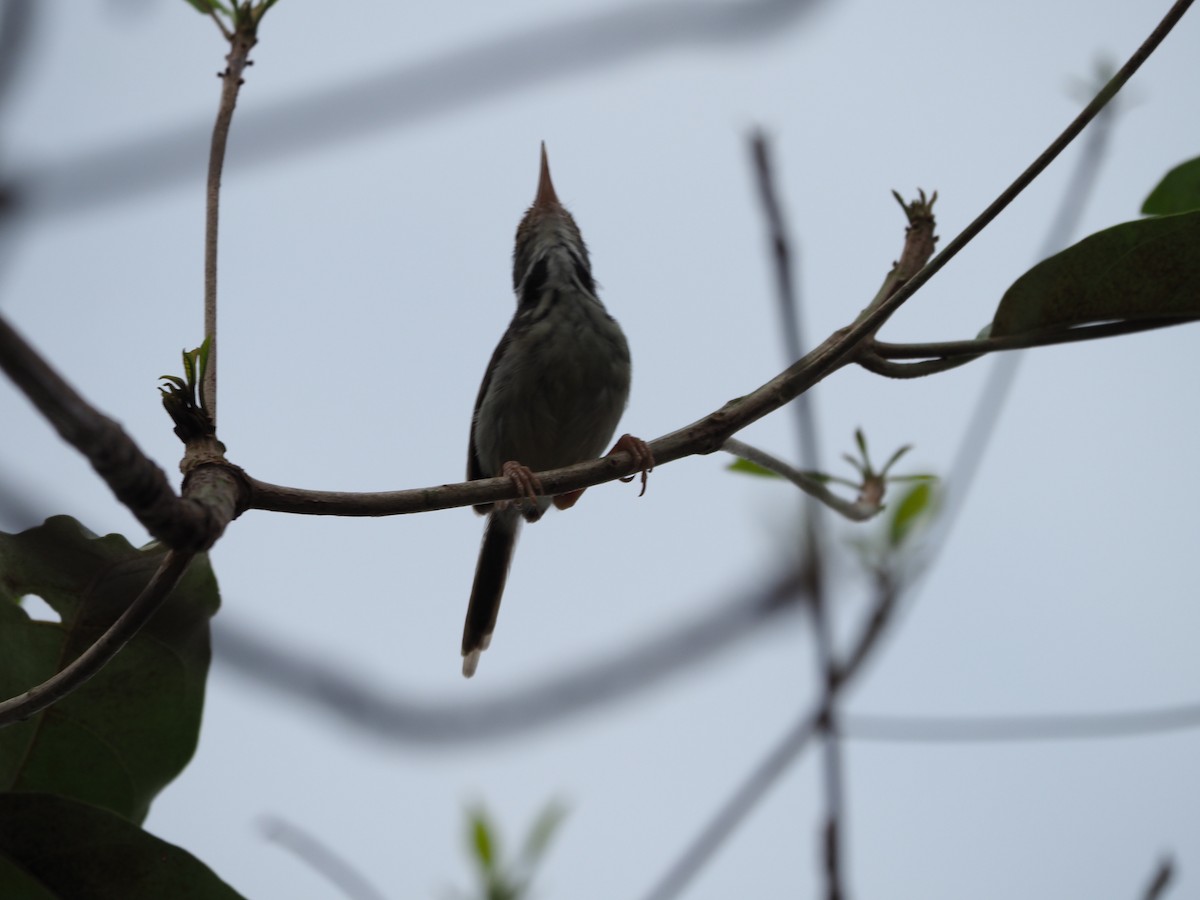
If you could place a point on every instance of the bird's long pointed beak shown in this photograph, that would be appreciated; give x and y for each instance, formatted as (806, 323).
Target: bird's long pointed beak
(545, 190)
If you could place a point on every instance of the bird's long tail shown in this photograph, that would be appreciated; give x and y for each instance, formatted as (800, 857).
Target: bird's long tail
(499, 540)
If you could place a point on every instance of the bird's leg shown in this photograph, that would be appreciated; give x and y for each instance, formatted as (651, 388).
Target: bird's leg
(642, 458)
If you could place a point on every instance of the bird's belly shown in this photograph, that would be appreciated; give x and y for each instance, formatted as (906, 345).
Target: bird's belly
(558, 400)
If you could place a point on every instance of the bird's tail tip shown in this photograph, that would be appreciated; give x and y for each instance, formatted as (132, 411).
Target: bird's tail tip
(471, 662)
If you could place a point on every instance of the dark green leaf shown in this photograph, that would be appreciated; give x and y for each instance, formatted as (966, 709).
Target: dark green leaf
(201, 6)
(912, 507)
(1138, 270)
(751, 468)
(125, 734)
(1178, 192)
(53, 848)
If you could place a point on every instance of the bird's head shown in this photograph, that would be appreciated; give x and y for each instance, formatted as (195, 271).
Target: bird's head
(547, 228)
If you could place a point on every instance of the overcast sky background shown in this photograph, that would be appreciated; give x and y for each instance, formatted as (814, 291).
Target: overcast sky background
(365, 272)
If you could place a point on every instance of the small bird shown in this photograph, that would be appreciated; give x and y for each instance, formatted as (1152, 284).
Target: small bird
(552, 395)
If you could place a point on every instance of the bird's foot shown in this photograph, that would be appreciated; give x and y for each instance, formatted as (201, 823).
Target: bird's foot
(642, 457)
(522, 477)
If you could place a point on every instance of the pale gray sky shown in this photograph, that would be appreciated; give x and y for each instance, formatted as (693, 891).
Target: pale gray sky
(364, 283)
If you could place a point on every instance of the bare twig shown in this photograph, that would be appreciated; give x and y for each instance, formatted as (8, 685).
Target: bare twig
(95, 657)
(242, 41)
(345, 877)
(854, 510)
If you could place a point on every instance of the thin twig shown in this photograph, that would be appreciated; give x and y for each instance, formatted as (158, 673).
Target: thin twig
(1046, 337)
(347, 879)
(242, 41)
(95, 657)
(855, 511)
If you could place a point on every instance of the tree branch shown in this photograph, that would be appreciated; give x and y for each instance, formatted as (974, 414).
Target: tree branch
(182, 523)
(686, 644)
(108, 645)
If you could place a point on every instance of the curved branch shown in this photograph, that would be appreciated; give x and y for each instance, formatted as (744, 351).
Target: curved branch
(95, 657)
(1046, 337)
(683, 646)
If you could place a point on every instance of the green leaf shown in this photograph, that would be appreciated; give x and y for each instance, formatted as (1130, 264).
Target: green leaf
(751, 468)
(201, 6)
(908, 512)
(481, 841)
(126, 733)
(1137, 270)
(1178, 192)
(52, 847)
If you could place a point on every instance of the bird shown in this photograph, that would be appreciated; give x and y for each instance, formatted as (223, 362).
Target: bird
(552, 395)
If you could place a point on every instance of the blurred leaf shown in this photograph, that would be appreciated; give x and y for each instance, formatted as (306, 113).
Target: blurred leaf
(201, 6)
(1137, 270)
(908, 512)
(53, 848)
(481, 841)
(751, 468)
(125, 734)
(1178, 192)
(540, 834)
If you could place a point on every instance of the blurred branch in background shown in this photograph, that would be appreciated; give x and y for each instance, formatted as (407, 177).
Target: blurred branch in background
(815, 523)
(1004, 729)
(348, 880)
(1161, 880)
(1003, 373)
(554, 698)
(403, 95)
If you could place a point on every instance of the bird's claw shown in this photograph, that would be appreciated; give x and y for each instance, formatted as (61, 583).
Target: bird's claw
(642, 457)
(522, 477)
